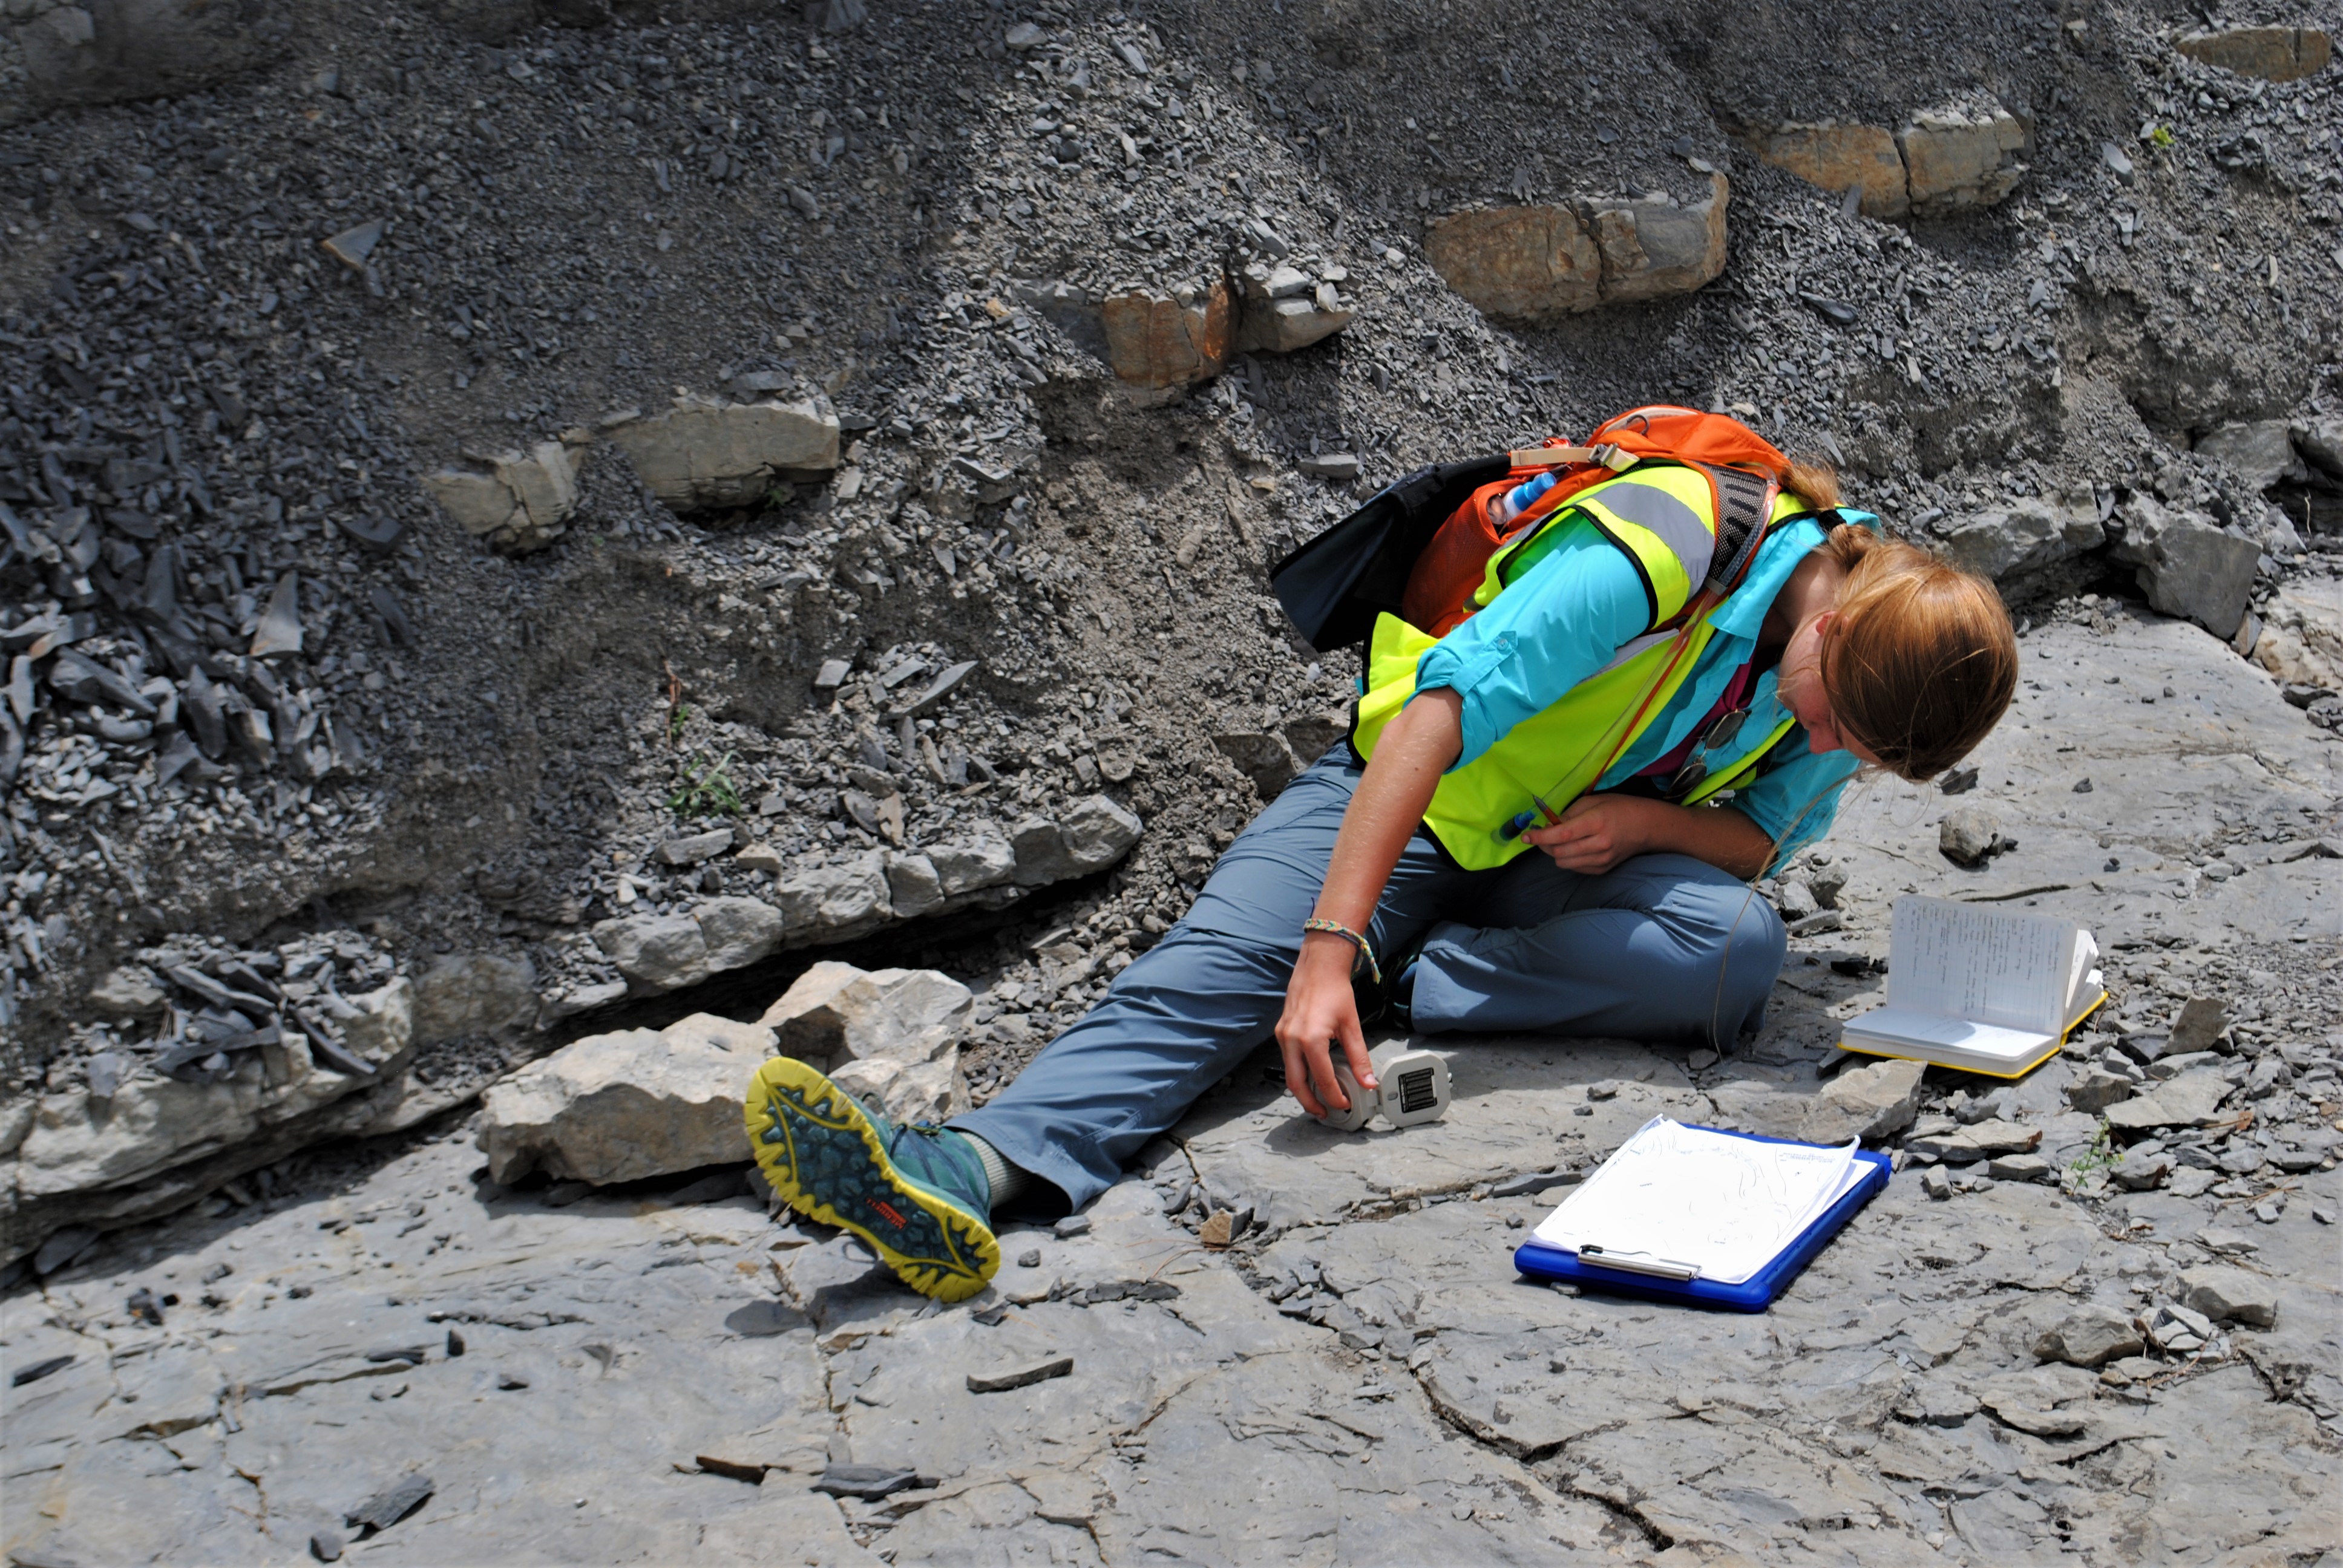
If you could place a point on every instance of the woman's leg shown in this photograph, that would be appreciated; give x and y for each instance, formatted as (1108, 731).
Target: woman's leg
(1661, 947)
(1188, 1010)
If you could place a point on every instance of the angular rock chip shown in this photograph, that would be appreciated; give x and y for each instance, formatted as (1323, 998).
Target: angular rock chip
(2222, 1293)
(391, 1505)
(2091, 1335)
(1024, 1377)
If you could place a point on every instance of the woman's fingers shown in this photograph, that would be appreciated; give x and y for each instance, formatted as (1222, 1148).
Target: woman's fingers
(1297, 1079)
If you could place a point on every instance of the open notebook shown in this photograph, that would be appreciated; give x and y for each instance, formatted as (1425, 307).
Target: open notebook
(1983, 989)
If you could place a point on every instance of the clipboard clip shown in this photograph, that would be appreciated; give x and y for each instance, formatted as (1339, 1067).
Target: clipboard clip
(1637, 1262)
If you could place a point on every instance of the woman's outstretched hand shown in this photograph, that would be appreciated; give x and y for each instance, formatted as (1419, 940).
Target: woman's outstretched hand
(1320, 1012)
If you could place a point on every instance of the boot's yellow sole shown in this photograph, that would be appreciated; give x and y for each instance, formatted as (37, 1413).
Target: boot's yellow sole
(824, 1156)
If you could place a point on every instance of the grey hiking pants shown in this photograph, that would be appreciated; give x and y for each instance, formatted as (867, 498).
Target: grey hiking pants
(1662, 947)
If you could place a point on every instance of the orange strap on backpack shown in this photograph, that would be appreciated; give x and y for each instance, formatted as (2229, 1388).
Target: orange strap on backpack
(1744, 469)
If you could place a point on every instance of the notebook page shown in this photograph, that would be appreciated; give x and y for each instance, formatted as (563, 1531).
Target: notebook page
(2078, 976)
(1922, 1030)
(1728, 1205)
(1989, 966)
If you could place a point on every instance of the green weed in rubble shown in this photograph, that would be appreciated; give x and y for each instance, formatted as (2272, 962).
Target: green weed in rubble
(2086, 1173)
(707, 789)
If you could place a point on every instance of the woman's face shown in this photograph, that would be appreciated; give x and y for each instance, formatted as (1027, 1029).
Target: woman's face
(1803, 693)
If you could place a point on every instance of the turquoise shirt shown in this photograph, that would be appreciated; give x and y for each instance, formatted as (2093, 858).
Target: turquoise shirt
(1568, 616)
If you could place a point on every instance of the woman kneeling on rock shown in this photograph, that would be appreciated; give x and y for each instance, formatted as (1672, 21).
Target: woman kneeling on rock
(1609, 650)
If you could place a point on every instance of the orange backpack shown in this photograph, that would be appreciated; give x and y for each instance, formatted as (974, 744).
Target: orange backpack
(1421, 548)
(1455, 561)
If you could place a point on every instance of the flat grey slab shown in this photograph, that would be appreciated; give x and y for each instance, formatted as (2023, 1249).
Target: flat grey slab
(1364, 1377)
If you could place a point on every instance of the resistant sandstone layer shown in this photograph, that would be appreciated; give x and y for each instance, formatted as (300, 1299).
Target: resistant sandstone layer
(1957, 156)
(1540, 263)
(705, 452)
(2274, 53)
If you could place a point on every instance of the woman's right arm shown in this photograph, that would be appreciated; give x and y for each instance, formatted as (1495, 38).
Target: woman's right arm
(1394, 793)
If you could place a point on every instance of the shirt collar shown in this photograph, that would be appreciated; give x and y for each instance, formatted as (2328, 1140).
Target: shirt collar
(1743, 613)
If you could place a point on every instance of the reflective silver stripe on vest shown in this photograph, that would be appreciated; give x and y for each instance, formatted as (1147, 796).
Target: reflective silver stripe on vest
(1642, 645)
(1677, 526)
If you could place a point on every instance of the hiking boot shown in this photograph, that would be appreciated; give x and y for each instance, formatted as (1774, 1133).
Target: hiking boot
(916, 1195)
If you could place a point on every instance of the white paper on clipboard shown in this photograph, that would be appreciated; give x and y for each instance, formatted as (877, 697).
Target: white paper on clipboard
(1728, 1205)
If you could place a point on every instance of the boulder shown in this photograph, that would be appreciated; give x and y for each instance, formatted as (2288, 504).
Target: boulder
(2187, 567)
(473, 993)
(2191, 1099)
(2238, 1295)
(129, 991)
(625, 1106)
(908, 1092)
(890, 1037)
(2260, 452)
(2302, 637)
(1098, 833)
(516, 501)
(982, 861)
(1869, 1103)
(1313, 735)
(1963, 154)
(1261, 757)
(1041, 851)
(2273, 53)
(2022, 547)
(836, 1012)
(1541, 263)
(1159, 342)
(2320, 442)
(830, 902)
(2091, 1335)
(738, 931)
(709, 452)
(1841, 157)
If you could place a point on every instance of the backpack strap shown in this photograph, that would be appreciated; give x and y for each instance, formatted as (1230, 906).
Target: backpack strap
(1616, 459)
(1744, 501)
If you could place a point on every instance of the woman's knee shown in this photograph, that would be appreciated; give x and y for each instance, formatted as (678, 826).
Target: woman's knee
(1729, 928)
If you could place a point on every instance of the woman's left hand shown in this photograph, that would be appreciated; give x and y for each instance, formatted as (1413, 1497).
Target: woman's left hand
(1598, 831)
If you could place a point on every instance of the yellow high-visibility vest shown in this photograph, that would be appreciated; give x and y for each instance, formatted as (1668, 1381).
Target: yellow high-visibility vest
(1663, 518)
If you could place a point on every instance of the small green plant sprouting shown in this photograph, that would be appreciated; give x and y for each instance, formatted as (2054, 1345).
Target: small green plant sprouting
(677, 717)
(707, 789)
(2099, 1156)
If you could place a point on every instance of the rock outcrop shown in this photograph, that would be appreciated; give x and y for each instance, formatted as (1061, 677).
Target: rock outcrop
(513, 501)
(1959, 155)
(2187, 566)
(1157, 342)
(2273, 53)
(1543, 262)
(2032, 546)
(622, 1107)
(703, 453)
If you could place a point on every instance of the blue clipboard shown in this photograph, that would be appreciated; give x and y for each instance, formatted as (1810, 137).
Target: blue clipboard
(1755, 1294)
